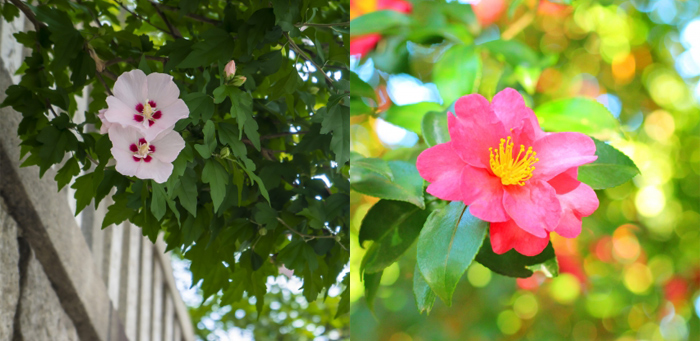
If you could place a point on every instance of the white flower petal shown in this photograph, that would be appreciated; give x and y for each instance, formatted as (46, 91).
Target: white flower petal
(120, 112)
(170, 115)
(168, 146)
(162, 89)
(130, 88)
(155, 169)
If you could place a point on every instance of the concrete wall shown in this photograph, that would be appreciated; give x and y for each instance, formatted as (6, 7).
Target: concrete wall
(62, 277)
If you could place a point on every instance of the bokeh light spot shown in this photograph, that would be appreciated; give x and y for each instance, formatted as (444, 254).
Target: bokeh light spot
(526, 306)
(638, 278)
(565, 289)
(478, 275)
(508, 322)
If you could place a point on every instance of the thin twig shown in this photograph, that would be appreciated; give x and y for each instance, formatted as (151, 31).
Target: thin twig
(347, 23)
(272, 136)
(99, 76)
(142, 18)
(190, 15)
(302, 235)
(299, 51)
(132, 60)
(94, 16)
(28, 13)
(173, 30)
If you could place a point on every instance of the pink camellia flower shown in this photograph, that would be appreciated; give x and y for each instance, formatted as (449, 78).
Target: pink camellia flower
(139, 156)
(148, 103)
(230, 69)
(105, 124)
(511, 173)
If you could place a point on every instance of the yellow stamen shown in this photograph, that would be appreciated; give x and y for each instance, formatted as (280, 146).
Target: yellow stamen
(512, 170)
(147, 110)
(144, 149)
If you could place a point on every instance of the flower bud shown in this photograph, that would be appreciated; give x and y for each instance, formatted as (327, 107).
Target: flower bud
(238, 80)
(230, 69)
(262, 231)
(225, 152)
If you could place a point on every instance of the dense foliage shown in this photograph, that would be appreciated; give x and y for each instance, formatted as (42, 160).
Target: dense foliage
(263, 180)
(602, 68)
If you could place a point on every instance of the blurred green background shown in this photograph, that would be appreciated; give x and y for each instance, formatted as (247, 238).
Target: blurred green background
(634, 272)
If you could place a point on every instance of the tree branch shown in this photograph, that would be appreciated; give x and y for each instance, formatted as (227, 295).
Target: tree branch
(143, 19)
(190, 15)
(28, 13)
(173, 30)
(323, 25)
(300, 52)
(307, 237)
(272, 136)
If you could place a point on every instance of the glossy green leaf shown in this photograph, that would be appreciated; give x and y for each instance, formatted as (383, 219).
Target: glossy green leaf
(373, 164)
(511, 263)
(410, 116)
(372, 281)
(424, 296)
(457, 72)
(407, 185)
(448, 243)
(513, 52)
(434, 128)
(611, 169)
(579, 114)
(393, 226)
(158, 199)
(67, 172)
(378, 22)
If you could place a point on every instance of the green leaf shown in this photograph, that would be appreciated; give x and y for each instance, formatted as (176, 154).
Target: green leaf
(514, 52)
(143, 65)
(187, 191)
(374, 165)
(378, 22)
(360, 88)
(511, 263)
(68, 41)
(337, 121)
(84, 191)
(158, 199)
(410, 116)
(372, 281)
(201, 106)
(64, 175)
(407, 185)
(579, 114)
(611, 169)
(425, 297)
(118, 212)
(457, 72)
(344, 304)
(206, 149)
(253, 177)
(216, 45)
(447, 245)
(216, 176)
(393, 226)
(54, 144)
(434, 128)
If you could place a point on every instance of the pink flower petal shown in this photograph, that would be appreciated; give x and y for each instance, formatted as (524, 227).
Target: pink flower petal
(157, 170)
(578, 203)
(507, 235)
(130, 88)
(561, 151)
(119, 112)
(483, 192)
(105, 123)
(169, 116)
(161, 89)
(534, 207)
(510, 108)
(167, 146)
(474, 128)
(565, 182)
(442, 167)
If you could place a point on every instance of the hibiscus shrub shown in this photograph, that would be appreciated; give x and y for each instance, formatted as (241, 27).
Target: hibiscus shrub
(500, 177)
(223, 125)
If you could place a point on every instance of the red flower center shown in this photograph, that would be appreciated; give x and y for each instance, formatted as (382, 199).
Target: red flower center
(147, 112)
(142, 150)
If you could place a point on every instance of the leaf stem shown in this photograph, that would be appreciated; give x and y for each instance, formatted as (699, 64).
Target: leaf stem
(299, 51)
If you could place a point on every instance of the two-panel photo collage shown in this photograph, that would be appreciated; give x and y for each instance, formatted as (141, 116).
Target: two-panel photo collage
(365, 170)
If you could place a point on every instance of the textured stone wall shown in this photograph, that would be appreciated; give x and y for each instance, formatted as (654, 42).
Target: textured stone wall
(29, 307)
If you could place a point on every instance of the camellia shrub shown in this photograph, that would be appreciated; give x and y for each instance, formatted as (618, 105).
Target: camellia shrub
(501, 177)
(222, 125)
